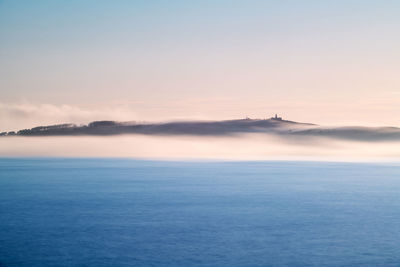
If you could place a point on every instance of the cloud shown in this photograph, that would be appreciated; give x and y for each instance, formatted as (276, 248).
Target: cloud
(14, 116)
(249, 147)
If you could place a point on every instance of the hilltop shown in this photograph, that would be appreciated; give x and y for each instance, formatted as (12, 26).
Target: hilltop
(165, 128)
(275, 125)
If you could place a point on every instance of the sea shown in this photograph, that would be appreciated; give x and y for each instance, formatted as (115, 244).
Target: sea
(126, 212)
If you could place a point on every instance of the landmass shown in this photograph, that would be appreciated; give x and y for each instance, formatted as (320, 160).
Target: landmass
(275, 125)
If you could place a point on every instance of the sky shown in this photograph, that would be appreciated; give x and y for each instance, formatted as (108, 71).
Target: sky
(325, 62)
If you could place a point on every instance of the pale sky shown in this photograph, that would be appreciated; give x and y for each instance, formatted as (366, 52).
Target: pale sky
(326, 62)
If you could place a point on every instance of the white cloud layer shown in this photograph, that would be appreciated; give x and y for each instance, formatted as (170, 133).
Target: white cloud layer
(27, 115)
(250, 147)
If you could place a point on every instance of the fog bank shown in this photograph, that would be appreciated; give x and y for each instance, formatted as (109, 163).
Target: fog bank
(246, 147)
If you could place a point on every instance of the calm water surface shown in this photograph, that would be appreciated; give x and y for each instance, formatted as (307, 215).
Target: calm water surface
(114, 212)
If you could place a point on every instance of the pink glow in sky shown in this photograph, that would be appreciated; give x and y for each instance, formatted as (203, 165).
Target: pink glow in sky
(331, 63)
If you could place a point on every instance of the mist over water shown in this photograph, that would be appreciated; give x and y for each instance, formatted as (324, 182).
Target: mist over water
(240, 147)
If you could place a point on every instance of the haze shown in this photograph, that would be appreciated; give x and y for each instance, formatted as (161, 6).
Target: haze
(334, 63)
(248, 147)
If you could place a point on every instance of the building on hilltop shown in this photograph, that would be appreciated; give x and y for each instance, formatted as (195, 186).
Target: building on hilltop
(276, 118)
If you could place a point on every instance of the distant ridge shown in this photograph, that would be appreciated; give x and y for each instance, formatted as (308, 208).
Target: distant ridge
(178, 127)
(274, 125)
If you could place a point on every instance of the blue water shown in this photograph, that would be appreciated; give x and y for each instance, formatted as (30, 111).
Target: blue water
(114, 212)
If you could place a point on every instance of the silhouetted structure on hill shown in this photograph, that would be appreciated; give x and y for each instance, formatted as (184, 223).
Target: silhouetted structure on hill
(276, 118)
